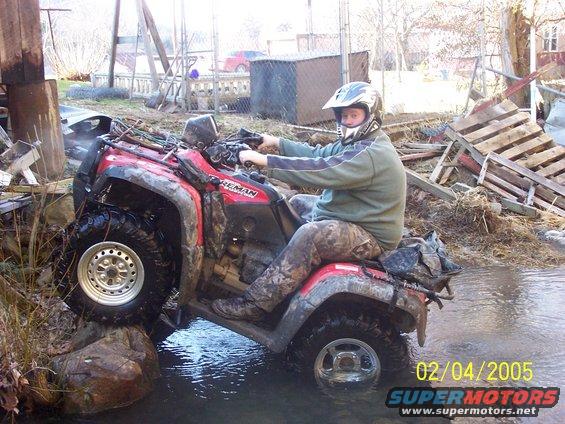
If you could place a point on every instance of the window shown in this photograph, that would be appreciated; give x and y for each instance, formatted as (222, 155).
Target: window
(550, 39)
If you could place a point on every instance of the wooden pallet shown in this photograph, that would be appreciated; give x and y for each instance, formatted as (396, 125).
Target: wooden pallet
(534, 167)
(504, 130)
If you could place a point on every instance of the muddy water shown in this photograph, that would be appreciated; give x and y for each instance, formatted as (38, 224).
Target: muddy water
(212, 375)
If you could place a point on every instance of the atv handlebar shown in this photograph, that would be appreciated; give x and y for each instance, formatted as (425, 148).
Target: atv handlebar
(226, 153)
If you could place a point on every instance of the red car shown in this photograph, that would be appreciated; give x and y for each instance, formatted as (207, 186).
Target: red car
(238, 61)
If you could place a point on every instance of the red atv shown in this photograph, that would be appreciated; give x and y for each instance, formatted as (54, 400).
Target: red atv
(162, 216)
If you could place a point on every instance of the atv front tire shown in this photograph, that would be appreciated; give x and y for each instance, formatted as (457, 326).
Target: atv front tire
(347, 348)
(115, 269)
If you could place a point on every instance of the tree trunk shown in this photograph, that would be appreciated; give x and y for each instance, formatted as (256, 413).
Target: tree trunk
(34, 113)
(515, 48)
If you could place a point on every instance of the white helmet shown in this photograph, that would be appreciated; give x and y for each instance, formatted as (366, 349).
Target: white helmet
(360, 95)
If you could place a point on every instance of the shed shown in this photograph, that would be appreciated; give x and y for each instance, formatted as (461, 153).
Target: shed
(293, 88)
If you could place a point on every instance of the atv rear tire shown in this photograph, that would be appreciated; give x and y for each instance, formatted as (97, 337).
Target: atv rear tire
(115, 269)
(349, 348)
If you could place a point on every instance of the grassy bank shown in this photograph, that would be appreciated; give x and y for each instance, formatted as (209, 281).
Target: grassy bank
(34, 322)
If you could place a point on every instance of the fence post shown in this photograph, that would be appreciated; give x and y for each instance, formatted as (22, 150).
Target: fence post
(382, 9)
(215, 41)
(344, 40)
(115, 29)
(310, 27)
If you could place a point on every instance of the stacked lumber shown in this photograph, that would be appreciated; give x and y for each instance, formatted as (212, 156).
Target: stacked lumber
(513, 156)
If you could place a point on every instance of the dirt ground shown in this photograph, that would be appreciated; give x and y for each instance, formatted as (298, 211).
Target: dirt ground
(474, 232)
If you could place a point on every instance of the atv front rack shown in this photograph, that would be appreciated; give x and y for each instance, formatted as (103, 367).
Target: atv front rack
(184, 167)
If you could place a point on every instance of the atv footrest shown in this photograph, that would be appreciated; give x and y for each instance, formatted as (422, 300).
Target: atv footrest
(247, 329)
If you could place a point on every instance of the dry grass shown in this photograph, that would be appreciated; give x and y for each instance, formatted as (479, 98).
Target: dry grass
(475, 233)
(34, 322)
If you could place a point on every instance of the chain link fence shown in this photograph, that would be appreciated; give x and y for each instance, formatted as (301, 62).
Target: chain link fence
(283, 60)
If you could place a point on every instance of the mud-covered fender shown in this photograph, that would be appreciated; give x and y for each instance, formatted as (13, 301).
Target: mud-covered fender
(188, 203)
(335, 279)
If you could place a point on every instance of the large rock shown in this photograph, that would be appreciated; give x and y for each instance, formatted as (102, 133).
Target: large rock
(112, 368)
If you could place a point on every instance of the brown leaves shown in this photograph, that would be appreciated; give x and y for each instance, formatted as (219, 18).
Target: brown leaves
(12, 384)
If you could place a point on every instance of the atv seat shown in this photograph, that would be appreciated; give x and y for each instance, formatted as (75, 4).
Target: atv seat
(290, 218)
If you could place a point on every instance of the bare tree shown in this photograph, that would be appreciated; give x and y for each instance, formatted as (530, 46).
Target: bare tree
(80, 37)
(251, 30)
(402, 20)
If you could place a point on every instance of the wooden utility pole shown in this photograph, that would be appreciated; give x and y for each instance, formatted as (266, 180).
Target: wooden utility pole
(147, 45)
(32, 102)
(145, 23)
(155, 36)
(114, 47)
(34, 114)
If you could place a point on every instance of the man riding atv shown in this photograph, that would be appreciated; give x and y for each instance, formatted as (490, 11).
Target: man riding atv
(169, 219)
(359, 214)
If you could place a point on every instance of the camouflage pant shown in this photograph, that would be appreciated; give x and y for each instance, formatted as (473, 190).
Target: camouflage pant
(312, 243)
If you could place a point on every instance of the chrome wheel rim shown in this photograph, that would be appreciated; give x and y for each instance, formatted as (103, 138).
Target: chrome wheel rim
(347, 361)
(110, 273)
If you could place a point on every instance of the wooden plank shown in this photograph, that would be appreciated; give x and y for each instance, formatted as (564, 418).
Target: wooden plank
(449, 170)
(4, 139)
(483, 172)
(439, 166)
(505, 185)
(542, 158)
(494, 188)
(553, 169)
(55, 187)
(11, 65)
(422, 155)
(452, 135)
(495, 127)
(32, 44)
(29, 177)
(546, 197)
(5, 178)
(515, 87)
(530, 196)
(10, 205)
(156, 38)
(519, 208)
(147, 45)
(425, 146)
(498, 111)
(443, 193)
(527, 173)
(509, 137)
(24, 161)
(475, 95)
(528, 147)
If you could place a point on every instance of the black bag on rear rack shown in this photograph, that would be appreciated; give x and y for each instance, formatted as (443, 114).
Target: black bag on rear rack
(420, 260)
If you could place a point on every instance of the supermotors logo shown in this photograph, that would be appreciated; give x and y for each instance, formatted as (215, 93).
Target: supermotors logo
(472, 401)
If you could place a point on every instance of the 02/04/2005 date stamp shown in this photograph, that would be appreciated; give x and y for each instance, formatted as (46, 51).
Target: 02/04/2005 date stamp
(470, 371)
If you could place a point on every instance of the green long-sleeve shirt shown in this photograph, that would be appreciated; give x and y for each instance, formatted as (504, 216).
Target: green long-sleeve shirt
(364, 183)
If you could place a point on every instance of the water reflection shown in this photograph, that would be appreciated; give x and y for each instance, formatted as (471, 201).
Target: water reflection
(500, 314)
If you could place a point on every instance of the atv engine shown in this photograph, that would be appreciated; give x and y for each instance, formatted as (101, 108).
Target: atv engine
(241, 264)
